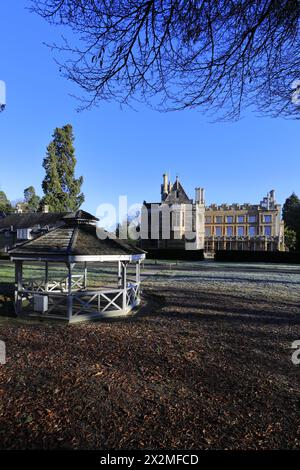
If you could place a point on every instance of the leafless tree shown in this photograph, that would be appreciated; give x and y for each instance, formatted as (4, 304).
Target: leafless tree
(218, 55)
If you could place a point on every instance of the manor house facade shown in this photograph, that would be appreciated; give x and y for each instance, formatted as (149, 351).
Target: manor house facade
(254, 227)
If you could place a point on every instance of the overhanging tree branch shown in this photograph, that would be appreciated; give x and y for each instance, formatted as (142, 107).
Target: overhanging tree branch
(219, 55)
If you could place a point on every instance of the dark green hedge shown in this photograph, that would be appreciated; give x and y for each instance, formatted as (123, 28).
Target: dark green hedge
(258, 256)
(188, 255)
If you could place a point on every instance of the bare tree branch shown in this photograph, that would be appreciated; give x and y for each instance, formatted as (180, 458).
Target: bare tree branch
(218, 55)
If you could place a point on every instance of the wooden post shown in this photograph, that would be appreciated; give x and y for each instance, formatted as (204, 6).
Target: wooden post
(124, 284)
(46, 276)
(85, 276)
(138, 273)
(138, 278)
(119, 274)
(18, 286)
(69, 294)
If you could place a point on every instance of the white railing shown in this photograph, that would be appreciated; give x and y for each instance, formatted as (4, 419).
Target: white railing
(60, 285)
(85, 303)
(114, 300)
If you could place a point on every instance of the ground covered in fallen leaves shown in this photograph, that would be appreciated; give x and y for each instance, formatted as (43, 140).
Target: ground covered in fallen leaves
(205, 364)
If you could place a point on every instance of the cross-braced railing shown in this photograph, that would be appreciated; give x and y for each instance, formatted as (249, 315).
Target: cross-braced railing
(114, 300)
(111, 302)
(59, 285)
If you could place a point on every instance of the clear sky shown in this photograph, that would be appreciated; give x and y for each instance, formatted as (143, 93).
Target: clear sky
(125, 152)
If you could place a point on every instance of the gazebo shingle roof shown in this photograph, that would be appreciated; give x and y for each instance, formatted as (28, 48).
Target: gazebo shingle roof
(75, 240)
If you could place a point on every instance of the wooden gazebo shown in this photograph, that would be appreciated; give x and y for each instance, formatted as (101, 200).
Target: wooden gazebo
(77, 242)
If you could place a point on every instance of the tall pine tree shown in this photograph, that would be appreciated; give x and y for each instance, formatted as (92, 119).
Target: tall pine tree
(62, 190)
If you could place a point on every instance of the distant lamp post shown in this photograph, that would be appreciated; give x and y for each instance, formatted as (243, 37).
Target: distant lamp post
(2, 95)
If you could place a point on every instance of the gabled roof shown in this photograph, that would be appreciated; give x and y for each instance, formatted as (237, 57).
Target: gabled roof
(177, 195)
(75, 241)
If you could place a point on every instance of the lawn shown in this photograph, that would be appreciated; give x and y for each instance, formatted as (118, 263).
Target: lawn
(205, 364)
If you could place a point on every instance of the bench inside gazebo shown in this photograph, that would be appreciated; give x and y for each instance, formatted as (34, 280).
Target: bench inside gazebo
(76, 245)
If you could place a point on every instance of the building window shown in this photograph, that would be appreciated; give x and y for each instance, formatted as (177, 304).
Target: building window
(241, 219)
(218, 231)
(229, 231)
(252, 219)
(268, 231)
(219, 219)
(229, 219)
(208, 219)
(241, 231)
(207, 231)
(176, 220)
(252, 231)
(268, 219)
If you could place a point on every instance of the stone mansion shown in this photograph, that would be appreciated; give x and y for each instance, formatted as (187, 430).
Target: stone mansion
(194, 226)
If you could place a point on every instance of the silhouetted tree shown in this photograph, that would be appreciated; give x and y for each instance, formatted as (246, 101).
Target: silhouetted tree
(214, 54)
(291, 216)
(291, 211)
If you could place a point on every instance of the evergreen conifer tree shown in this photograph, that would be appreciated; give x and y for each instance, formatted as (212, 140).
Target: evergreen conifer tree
(62, 190)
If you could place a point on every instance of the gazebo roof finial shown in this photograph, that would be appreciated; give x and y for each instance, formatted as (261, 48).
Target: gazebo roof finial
(80, 217)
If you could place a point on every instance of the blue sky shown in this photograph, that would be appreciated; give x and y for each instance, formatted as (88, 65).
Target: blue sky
(125, 152)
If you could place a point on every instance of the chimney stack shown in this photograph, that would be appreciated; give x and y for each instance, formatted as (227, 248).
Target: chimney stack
(202, 196)
(164, 187)
(199, 196)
